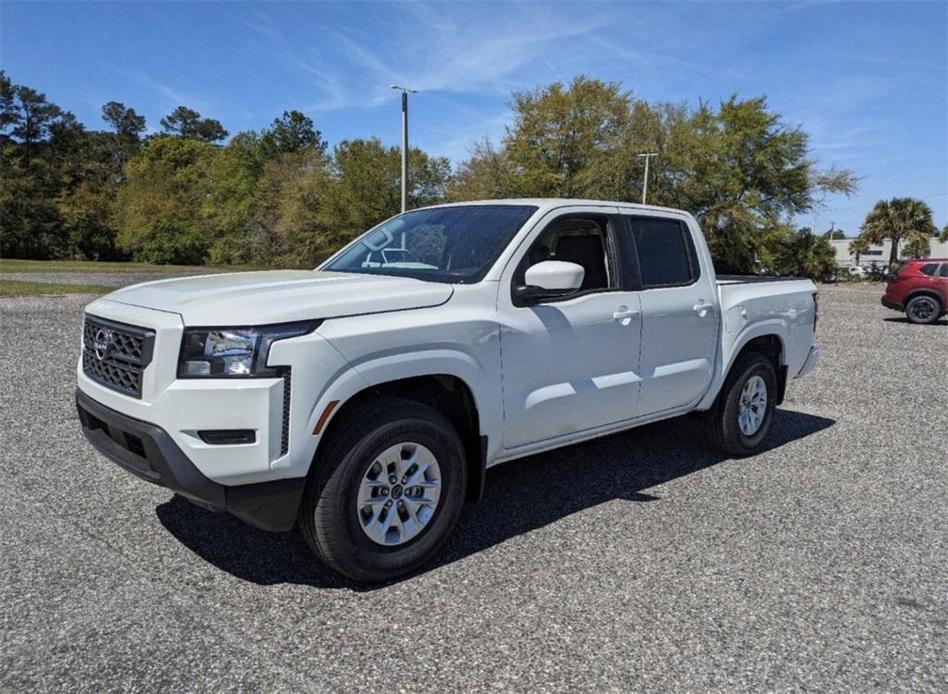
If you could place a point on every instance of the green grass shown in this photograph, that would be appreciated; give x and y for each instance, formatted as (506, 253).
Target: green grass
(12, 265)
(18, 288)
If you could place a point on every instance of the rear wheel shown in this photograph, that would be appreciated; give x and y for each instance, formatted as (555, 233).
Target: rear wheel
(923, 309)
(741, 416)
(387, 493)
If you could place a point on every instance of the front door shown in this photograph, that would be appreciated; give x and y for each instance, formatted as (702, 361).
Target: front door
(570, 364)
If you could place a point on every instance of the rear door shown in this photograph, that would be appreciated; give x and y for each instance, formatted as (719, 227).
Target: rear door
(928, 278)
(941, 283)
(680, 322)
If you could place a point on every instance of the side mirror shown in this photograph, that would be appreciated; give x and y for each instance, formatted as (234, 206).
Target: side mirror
(550, 278)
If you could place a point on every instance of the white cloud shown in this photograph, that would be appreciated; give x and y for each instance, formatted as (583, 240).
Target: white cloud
(171, 95)
(453, 49)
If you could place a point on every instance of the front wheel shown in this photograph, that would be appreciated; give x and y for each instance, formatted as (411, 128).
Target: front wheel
(923, 310)
(741, 416)
(387, 492)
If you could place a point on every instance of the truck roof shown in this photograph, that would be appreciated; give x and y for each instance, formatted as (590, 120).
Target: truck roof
(549, 203)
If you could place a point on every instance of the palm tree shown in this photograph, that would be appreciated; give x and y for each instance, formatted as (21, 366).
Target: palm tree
(858, 246)
(898, 219)
(917, 246)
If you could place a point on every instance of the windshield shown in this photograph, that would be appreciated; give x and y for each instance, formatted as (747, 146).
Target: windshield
(442, 244)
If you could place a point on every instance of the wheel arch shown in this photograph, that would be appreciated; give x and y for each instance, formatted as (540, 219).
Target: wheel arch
(447, 393)
(765, 338)
(771, 346)
(925, 291)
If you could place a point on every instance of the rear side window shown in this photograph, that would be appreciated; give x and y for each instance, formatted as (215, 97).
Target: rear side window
(666, 252)
(944, 270)
(928, 269)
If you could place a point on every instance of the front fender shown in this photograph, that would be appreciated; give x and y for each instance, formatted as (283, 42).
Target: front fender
(376, 370)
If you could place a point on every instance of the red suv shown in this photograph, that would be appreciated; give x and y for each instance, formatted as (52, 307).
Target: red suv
(920, 288)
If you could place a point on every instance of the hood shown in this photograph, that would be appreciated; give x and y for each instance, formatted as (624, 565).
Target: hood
(282, 296)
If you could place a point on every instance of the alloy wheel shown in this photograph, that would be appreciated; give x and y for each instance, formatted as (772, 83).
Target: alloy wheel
(752, 406)
(399, 494)
(923, 309)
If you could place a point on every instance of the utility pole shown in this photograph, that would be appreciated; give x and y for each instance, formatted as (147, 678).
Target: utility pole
(647, 156)
(405, 92)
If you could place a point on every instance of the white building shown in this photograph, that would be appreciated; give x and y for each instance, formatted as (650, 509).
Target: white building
(878, 253)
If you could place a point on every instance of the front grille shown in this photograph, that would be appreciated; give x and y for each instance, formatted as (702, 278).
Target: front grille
(116, 354)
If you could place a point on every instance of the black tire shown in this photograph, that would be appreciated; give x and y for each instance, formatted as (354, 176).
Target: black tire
(328, 517)
(722, 421)
(923, 309)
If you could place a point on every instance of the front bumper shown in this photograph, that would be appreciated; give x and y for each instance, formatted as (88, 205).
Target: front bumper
(149, 452)
(812, 359)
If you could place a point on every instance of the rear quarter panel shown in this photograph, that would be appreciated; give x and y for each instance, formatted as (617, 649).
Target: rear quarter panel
(784, 308)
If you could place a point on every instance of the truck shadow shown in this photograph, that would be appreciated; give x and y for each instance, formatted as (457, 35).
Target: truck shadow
(521, 496)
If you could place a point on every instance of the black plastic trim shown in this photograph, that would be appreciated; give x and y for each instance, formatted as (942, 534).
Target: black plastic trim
(477, 480)
(287, 374)
(266, 505)
(227, 437)
(891, 304)
(755, 279)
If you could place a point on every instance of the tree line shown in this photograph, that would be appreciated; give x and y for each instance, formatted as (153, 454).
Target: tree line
(277, 196)
(281, 196)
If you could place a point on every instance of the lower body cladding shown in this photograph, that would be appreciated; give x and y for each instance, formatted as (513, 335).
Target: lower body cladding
(894, 305)
(149, 452)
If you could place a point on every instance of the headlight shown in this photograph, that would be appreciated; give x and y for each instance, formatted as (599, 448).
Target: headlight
(233, 352)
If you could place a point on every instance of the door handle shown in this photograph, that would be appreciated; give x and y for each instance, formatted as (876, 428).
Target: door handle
(701, 308)
(624, 315)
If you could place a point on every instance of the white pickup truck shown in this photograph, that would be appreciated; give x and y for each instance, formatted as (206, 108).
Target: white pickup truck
(363, 401)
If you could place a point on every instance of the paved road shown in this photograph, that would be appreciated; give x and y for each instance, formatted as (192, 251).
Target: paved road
(637, 562)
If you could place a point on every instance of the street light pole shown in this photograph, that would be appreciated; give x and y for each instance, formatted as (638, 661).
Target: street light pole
(405, 92)
(647, 156)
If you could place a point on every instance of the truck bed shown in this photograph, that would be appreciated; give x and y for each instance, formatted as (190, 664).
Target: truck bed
(768, 305)
(752, 279)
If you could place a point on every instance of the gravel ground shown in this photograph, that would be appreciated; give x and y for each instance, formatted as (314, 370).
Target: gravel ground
(637, 562)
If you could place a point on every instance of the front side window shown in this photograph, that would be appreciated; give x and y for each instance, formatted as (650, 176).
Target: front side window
(575, 240)
(928, 269)
(665, 252)
(442, 244)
